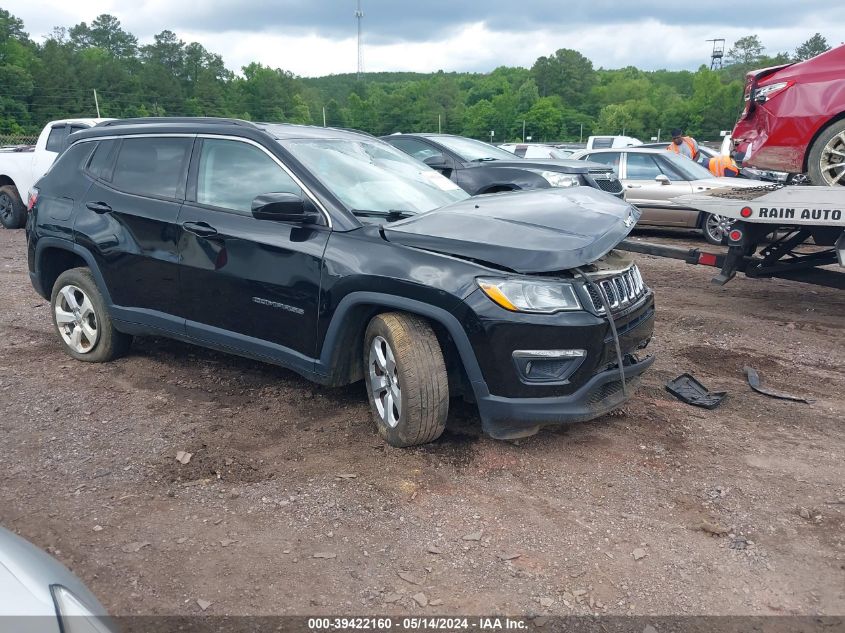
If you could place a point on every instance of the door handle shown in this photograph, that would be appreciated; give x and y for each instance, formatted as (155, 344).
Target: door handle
(634, 186)
(199, 228)
(98, 207)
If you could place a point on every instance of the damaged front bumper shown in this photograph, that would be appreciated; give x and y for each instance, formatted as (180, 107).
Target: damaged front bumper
(508, 418)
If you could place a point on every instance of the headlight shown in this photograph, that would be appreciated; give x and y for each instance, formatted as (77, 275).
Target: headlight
(557, 179)
(74, 616)
(518, 295)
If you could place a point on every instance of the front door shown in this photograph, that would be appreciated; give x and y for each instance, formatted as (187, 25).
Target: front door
(247, 283)
(651, 189)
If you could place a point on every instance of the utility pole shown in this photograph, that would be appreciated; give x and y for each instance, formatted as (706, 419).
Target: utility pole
(439, 125)
(96, 103)
(581, 135)
(359, 14)
(658, 134)
(523, 130)
(324, 116)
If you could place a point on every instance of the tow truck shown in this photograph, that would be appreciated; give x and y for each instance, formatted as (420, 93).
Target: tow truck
(794, 232)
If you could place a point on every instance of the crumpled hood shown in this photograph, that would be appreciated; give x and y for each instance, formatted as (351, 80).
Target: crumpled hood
(546, 230)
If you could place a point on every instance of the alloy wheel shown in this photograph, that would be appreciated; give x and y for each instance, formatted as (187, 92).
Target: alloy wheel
(832, 161)
(76, 319)
(384, 382)
(717, 227)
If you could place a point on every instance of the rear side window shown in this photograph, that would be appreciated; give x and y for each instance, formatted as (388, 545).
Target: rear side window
(101, 162)
(63, 175)
(231, 174)
(611, 159)
(153, 166)
(55, 139)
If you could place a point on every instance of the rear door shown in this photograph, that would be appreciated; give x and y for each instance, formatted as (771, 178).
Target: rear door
(247, 283)
(128, 221)
(652, 196)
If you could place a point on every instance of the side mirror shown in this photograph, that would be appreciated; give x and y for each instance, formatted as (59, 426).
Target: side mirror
(284, 207)
(663, 179)
(438, 161)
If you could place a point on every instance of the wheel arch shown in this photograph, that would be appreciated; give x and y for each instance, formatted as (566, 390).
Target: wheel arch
(343, 344)
(832, 121)
(54, 256)
(6, 180)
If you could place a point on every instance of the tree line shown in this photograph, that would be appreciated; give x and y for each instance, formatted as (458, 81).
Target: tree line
(561, 97)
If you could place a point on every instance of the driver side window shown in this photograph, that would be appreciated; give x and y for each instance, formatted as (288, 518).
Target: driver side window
(231, 174)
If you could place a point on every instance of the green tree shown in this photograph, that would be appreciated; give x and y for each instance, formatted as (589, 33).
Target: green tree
(746, 50)
(566, 74)
(816, 45)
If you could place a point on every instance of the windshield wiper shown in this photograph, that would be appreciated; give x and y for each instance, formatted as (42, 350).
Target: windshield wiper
(483, 160)
(391, 216)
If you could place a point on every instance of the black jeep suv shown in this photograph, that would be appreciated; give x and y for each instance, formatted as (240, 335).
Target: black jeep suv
(337, 256)
(478, 167)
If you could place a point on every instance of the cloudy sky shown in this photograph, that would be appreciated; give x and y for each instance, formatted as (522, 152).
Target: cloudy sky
(318, 37)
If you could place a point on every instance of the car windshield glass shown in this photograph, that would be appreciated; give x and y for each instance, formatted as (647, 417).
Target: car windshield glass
(470, 149)
(689, 169)
(372, 176)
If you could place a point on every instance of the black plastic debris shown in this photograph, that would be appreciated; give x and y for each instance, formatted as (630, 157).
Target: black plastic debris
(687, 389)
(754, 382)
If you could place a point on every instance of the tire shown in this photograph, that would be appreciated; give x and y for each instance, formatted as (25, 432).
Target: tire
(715, 228)
(402, 356)
(824, 167)
(82, 321)
(12, 210)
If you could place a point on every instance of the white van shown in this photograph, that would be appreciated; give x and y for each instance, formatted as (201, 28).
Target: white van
(612, 142)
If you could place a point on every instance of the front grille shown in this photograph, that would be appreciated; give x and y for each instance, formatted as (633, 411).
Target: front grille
(606, 180)
(621, 291)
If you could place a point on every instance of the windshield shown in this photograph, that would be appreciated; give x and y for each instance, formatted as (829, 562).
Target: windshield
(469, 149)
(369, 175)
(688, 168)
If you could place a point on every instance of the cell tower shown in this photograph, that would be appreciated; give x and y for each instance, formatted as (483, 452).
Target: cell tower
(359, 15)
(717, 54)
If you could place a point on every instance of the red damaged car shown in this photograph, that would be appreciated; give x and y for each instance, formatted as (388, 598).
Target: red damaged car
(794, 119)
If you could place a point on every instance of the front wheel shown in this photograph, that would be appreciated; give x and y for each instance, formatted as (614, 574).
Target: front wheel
(406, 379)
(826, 162)
(716, 228)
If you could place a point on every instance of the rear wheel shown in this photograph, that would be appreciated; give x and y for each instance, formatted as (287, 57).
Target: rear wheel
(826, 163)
(406, 379)
(12, 210)
(716, 228)
(82, 321)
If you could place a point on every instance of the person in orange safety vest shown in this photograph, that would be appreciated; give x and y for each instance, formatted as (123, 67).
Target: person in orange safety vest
(723, 167)
(684, 145)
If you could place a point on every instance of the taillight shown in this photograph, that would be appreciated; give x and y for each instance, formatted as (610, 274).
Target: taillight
(31, 199)
(764, 93)
(735, 235)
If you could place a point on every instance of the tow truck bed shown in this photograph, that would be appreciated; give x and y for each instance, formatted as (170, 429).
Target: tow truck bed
(785, 232)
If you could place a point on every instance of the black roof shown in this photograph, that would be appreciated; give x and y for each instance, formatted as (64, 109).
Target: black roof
(213, 125)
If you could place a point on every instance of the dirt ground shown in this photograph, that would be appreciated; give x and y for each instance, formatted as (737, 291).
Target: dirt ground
(292, 505)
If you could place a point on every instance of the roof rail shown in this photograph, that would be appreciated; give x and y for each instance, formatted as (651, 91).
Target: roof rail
(176, 119)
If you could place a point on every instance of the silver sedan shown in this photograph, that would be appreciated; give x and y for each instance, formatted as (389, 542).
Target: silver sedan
(653, 177)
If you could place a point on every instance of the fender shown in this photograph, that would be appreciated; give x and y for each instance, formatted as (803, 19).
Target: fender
(323, 366)
(66, 245)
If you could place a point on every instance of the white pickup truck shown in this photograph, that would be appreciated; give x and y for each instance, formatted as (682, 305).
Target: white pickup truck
(22, 166)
